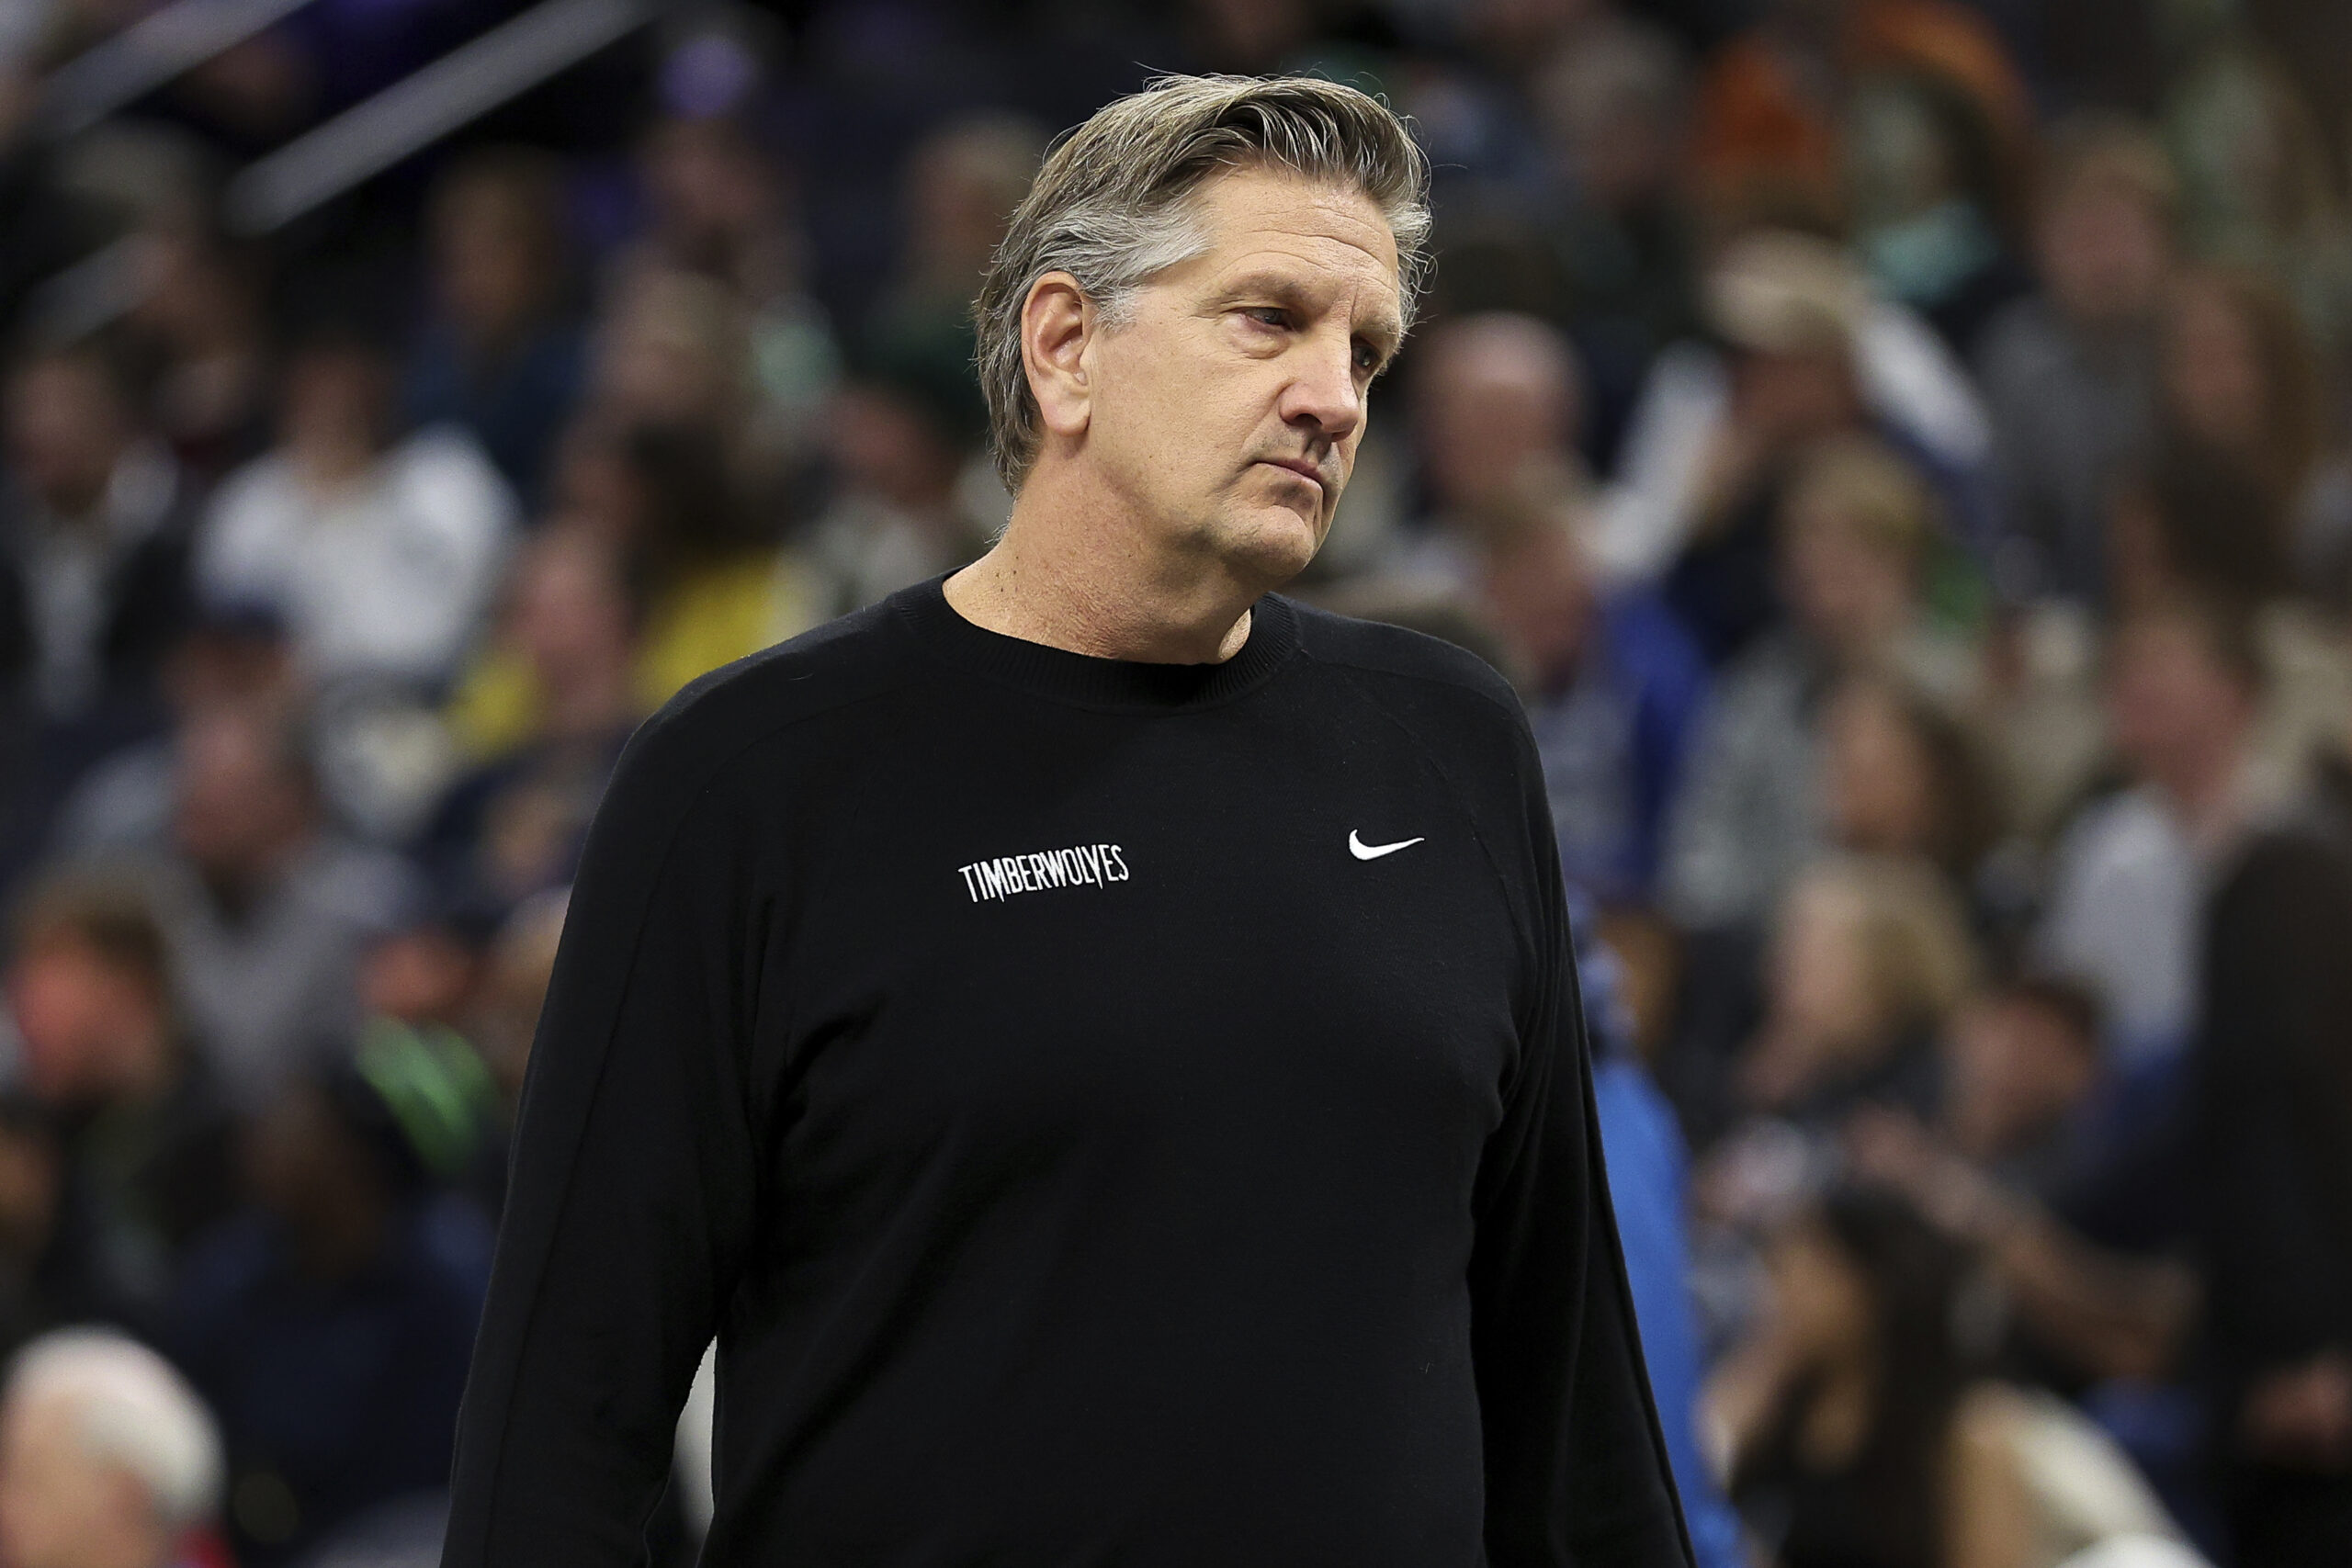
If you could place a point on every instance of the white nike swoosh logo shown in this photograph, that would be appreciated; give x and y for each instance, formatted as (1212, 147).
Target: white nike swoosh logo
(1362, 851)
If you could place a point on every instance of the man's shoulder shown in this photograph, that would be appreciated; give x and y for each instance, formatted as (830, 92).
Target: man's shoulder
(1432, 670)
(831, 669)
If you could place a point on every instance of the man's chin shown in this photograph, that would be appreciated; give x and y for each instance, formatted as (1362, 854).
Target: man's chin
(1272, 544)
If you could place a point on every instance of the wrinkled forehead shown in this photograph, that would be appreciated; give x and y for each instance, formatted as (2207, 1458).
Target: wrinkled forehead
(1316, 233)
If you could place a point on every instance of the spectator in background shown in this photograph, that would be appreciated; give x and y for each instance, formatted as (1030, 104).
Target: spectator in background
(911, 496)
(1927, 182)
(2260, 187)
(2021, 1063)
(1611, 682)
(92, 538)
(513, 826)
(1858, 1464)
(1614, 687)
(2019, 1166)
(1901, 776)
(93, 544)
(502, 357)
(1856, 528)
(1868, 960)
(2070, 373)
(108, 1458)
(2239, 378)
(1610, 110)
(673, 349)
(1497, 402)
(1858, 1418)
(330, 1325)
(1807, 353)
(268, 907)
(1771, 130)
(51, 1271)
(706, 581)
(2193, 521)
(378, 552)
(1648, 1170)
(145, 1136)
(2127, 879)
(701, 556)
(909, 499)
(959, 189)
(123, 805)
(719, 206)
(197, 335)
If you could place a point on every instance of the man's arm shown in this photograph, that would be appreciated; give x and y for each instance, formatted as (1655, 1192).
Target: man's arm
(2274, 1099)
(631, 1199)
(1577, 1469)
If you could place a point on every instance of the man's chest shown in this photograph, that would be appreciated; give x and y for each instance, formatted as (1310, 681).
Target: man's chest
(1113, 929)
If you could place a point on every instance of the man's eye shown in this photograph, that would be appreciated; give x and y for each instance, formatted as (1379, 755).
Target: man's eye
(1268, 315)
(1367, 358)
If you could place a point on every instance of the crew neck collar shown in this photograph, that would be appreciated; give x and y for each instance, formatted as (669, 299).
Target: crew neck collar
(1083, 680)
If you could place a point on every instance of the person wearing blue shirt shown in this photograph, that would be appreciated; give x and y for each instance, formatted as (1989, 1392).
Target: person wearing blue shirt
(1648, 1163)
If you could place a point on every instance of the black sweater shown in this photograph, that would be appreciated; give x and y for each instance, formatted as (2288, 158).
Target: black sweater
(2273, 1107)
(1108, 1113)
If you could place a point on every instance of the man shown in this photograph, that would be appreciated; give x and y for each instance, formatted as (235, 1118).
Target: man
(148, 1139)
(328, 1322)
(379, 551)
(94, 543)
(269, 906)
(1613, 682)
(1096, 1042)
(2070, 373)
(2184, 700)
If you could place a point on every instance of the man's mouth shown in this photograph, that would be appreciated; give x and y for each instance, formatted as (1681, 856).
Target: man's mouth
(1302, 467)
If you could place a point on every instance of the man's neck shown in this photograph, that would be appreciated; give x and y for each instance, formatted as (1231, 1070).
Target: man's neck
(1079, 573)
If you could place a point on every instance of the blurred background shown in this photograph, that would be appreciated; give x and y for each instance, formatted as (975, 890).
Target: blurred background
(1898, 449)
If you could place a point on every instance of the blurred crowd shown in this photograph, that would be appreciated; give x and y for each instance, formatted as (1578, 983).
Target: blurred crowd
(1900, 449)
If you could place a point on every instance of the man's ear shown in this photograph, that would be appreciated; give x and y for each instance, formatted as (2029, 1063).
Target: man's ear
(1057, 322)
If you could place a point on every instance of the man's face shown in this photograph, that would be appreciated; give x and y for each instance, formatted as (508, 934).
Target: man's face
(2105, 253)
(2170, 702)
(65, 431)
(1844, 590)
(78, 1018)
(1488, 412)
(2012, 1068)
(1227, 414)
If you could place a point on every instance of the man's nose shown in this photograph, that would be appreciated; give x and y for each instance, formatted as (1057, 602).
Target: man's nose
(1323, 391)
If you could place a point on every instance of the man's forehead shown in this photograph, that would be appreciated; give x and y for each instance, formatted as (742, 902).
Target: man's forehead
(1259, 218)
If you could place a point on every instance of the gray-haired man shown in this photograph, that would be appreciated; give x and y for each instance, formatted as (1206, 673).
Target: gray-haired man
(1095, 1040)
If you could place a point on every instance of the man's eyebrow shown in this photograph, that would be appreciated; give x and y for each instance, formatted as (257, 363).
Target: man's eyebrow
(1267, 285)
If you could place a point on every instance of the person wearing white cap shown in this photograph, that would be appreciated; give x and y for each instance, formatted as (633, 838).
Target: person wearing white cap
(108, 1458)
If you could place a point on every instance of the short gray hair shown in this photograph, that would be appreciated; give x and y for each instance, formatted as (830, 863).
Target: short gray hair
(129, 1407)
(1111, 206)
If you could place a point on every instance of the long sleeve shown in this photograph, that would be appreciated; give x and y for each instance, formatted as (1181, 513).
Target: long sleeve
(2275, 1082)
(631, 1202)
(1577, 1468)
(1092, 1138)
